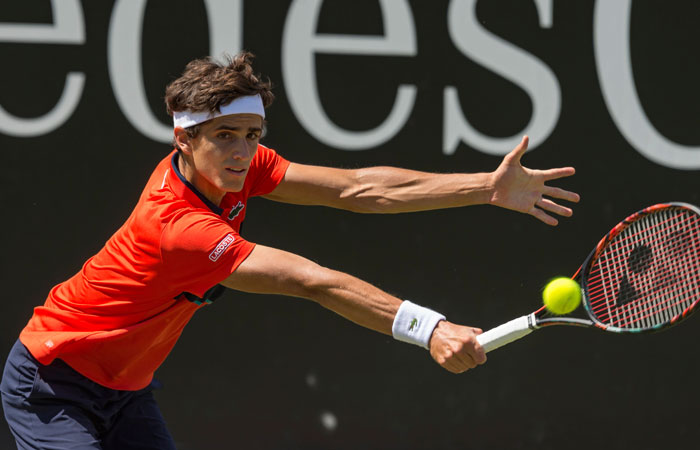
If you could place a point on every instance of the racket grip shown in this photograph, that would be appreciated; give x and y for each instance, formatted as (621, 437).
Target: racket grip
(506, 333)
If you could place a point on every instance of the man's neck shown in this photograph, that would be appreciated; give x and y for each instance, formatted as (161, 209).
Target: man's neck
(202, 185)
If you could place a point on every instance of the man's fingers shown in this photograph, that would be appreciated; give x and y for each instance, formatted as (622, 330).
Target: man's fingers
(518, 152)
(553, 174)
(555, 208)
(543, 216)
(455, 347)
(561, 194)
(459, 362)
(480, 355)
(470, 355)
(461, 358)
(477, 351)
(460, 366)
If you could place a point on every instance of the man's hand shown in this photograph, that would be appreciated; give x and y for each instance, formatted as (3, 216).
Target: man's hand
(521, 189)
(455, 348)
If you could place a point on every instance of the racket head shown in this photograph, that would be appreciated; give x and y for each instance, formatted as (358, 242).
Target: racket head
(644, 275)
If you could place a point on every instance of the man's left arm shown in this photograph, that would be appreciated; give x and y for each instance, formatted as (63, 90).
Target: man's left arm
(394, 190)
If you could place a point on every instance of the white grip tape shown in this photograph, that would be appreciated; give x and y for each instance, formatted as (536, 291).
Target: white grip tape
(506, 333)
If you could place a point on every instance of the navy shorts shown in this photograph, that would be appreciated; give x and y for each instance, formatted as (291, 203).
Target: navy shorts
(54, 407)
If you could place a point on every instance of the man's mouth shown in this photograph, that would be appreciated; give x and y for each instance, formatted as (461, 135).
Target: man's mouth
(236, 171)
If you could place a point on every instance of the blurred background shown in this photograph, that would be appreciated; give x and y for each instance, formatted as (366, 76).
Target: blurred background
(609, 87)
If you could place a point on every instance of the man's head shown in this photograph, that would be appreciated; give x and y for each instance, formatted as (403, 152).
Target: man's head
(206, 85)
(218, 115)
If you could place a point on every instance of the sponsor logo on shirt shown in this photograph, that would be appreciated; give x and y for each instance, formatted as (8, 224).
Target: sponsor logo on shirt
(221, 247)
(236, 210)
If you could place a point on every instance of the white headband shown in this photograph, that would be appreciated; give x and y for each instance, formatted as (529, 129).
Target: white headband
(251, 104)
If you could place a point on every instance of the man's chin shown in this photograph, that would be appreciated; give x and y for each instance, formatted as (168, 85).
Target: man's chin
(233, 187)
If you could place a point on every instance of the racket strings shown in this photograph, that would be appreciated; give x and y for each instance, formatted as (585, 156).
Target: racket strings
(651, 311)
(638, 258)
(645, 303)
(648, 273)
(640, 316)
(632, 238)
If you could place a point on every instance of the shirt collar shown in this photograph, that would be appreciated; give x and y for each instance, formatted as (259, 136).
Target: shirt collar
(186, 190)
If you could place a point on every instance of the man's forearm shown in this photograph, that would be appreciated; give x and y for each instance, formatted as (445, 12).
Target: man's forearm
(354, 299)
(272, 271)
(394, 190)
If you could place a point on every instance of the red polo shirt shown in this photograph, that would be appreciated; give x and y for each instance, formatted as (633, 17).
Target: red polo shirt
(117, 319)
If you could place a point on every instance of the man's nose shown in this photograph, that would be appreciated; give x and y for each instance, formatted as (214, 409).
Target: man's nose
(241, 150)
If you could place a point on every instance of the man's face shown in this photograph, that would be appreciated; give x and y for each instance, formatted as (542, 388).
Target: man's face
(222, 152)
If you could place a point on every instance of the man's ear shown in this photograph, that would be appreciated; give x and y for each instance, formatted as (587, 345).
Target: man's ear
(183, 140)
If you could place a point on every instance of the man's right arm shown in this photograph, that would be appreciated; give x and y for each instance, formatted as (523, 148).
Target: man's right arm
(270, 271)
(393, 190)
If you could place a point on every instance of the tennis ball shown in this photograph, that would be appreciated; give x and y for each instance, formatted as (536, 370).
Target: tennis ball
(561, 295)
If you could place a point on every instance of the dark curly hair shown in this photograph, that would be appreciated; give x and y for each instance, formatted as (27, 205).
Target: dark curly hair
(207, 84)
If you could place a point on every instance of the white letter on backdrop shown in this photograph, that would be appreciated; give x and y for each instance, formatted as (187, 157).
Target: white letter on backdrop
(512, 63)
(124, 56)
(68, 27)
(225, 26)
(299, 45)
(612, 45)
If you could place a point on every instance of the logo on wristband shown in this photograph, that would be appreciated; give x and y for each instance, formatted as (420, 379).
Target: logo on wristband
(414, 323)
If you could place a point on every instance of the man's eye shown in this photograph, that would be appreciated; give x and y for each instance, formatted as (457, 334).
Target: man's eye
(224, 135)
(253, 136)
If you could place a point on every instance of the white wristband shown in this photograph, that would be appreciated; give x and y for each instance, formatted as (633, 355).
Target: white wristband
(415, 324)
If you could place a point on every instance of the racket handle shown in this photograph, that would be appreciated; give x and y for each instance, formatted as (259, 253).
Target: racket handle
(506, 333)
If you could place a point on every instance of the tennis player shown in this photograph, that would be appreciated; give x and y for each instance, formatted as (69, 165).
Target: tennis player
(81, 374)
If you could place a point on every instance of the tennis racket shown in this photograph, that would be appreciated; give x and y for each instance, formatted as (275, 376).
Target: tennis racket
(643, 276)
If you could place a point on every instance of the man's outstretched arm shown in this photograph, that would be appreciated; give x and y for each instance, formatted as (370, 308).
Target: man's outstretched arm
(271, 271)
(393, 190)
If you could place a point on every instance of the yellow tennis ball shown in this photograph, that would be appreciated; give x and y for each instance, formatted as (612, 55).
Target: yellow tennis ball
(561, 295)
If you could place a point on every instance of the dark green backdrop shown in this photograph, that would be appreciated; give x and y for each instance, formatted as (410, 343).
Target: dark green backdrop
(272, 372)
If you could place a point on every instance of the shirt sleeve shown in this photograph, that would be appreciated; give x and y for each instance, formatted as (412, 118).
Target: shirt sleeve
(268, 169)
(200, 250)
